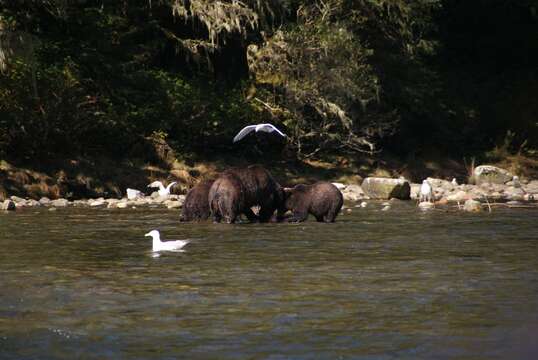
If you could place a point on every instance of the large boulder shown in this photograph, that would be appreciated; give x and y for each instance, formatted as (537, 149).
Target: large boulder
(353, 193)
(491, 174)
(59, 202)
(385, 188)
(472, 206)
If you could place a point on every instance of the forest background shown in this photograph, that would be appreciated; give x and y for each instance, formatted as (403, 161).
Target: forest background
(106, 93)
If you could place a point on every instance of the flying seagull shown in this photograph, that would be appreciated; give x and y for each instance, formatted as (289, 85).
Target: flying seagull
(163, 191)
(159, 245)
(259, 127)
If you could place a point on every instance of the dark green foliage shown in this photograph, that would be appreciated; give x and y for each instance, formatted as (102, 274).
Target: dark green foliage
(98, 77)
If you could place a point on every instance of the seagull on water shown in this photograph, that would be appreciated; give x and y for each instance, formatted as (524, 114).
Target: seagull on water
(133, 194)
(259, 127)
(159, 245)
(163, 191)
(426, 192)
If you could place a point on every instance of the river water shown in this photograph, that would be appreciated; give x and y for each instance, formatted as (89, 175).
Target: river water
(397, 284)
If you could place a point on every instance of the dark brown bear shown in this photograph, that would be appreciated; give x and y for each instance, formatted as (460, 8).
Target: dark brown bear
(196, 205)
(322, 199)
(261, 190)
(226, 198)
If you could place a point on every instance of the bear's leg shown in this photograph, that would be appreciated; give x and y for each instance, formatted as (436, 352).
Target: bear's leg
(329, 218)
(266, 213)
(298, 216)
(250, 215)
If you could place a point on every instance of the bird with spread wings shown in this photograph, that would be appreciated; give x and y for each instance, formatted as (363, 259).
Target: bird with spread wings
(259, 127)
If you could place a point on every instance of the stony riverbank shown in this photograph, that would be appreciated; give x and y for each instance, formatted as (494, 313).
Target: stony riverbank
(492, 187)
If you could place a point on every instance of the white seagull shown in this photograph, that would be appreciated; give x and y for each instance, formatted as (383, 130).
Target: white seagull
(426, 192)
(259, 127)
(159, 245)
(454, 182)
(133, 194)
(163, 191)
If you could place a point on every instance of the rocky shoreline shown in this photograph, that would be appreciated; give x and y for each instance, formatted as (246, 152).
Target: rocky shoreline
(489, 189)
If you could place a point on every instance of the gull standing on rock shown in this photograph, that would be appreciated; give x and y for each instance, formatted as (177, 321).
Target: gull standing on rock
(163, 191)
(426, 192)
(259, 127)
(158, 245)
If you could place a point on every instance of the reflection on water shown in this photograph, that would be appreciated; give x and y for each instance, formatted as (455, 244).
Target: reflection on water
(402, 284)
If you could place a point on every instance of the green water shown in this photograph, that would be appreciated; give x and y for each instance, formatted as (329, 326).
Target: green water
(402, 284)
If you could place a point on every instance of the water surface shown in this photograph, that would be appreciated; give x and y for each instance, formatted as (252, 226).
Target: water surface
(402, 284)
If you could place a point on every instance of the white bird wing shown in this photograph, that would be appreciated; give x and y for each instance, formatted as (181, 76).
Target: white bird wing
(176, 244)
(269, 128)
(244, 132)
(156, 184)
(170, 185)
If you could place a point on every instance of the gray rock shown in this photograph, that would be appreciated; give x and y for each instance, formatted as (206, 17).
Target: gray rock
(353, 192)
(59, 203)
(44, 201)
(491, 174)
(8, 205)
(32, 203)
(97, 202)
(531, 187)
(514, 194)
(415, 191)
(17, 199)
(426, 205)
(385, 188)
(172, 204)
(80, 203)
(472, 206)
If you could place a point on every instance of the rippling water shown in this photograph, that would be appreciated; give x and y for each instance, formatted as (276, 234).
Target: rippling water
(402, 284)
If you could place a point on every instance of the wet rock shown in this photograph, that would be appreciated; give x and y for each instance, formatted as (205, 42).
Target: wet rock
(97, 202)
(53, 209)
(17, 199)
(426, 205)
(172, 204)
(414, 192)
(32, 203)
(122, 205)
(531, 187)
(472, 206)
(386, 208)
(8, 205)
(491, 174)
(80, 203)
(112, 203)
(59, 202)
(364, 204)
(386, 188)
(44, 201)
(514, 194)
(353, 192)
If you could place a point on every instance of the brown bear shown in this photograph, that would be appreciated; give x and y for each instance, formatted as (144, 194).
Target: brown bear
(196, 205)
(322, 199)
(226, 198)
(261, 190)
